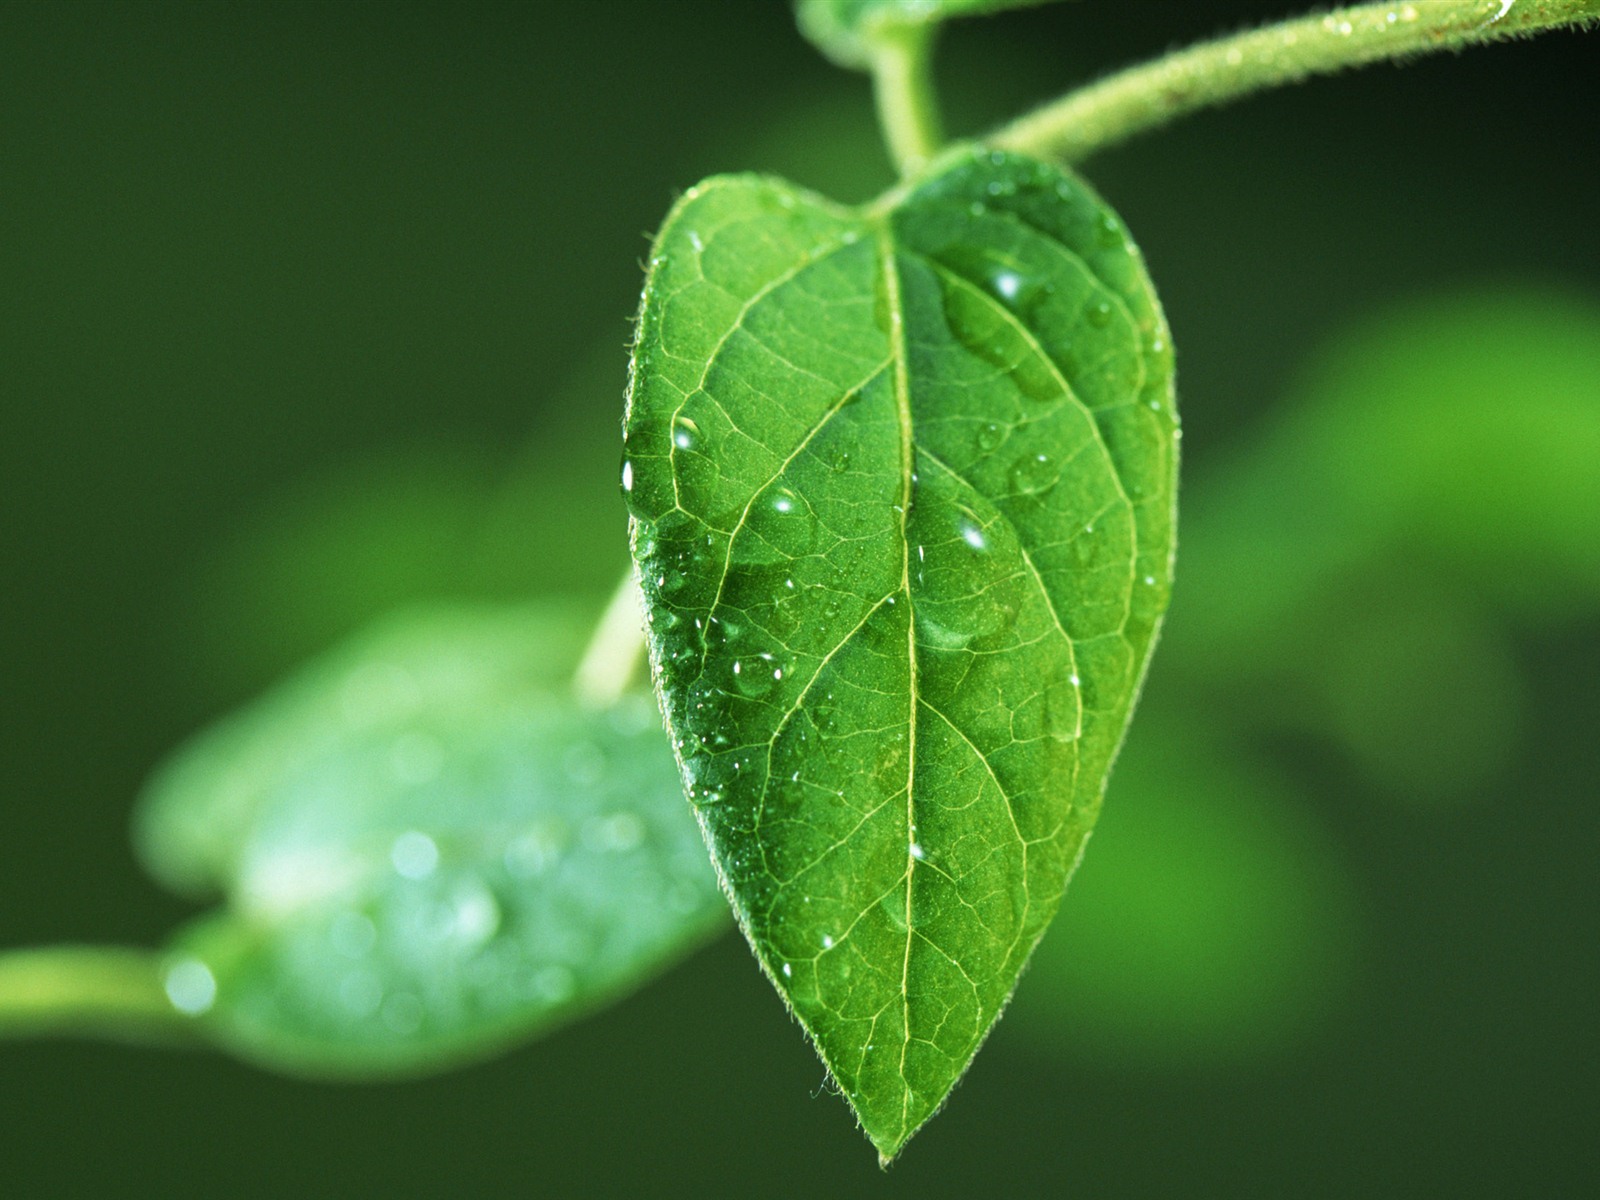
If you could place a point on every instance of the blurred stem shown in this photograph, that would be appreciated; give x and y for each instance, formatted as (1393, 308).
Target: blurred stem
(87, 991)
(1148, 96)
(902, 79)
(616, 650)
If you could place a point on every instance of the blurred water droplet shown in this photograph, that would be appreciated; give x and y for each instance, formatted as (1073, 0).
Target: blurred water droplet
(534, 852)
(475, 914)
(614, 833)
(190, 986)
(414, 855)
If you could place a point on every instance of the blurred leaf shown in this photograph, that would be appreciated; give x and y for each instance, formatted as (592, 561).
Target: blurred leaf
(1473, 426)
(1421, 690)
(330, 554)
(1342, 571)
(847, 30)
(428, 851)
(1213, 920)
(412, 525)
(1460, 435)
(903, 481)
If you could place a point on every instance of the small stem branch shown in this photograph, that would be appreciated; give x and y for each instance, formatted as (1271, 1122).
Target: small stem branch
(1145, 97)
(616, 650)
(87, 991)
(902, 79)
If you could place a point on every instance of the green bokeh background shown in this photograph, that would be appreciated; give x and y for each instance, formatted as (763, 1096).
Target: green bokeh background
(311, 310)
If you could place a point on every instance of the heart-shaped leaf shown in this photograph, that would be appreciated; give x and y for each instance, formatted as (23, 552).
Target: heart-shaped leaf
(902, 484)
(847, 30)
(428, 850)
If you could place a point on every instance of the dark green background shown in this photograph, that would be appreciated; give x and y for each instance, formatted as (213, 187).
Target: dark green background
(259, 259)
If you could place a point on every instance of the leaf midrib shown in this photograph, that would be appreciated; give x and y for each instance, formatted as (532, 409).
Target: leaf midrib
(895, 305)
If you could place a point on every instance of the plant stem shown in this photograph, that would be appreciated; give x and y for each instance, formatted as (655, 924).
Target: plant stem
(902, 80)
(93, 991)
(1147, 96)
(614, 653)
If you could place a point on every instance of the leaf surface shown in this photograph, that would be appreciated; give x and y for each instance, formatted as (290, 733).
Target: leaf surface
(902, 485)
(428, 850)
(847, 30)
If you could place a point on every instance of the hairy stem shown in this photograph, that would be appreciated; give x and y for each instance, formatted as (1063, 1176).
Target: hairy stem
(1148, 96)
(902, 78)
(616, 650)
(87, 991)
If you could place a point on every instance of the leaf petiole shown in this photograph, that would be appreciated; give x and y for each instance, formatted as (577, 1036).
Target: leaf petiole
(616, 649)
(908, 110)
(88, 991)
(1148, 96)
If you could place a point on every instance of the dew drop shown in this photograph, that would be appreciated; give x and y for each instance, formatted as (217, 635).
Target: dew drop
(1033, 474)
(752, 677)
(989, 436)
(1086, 547)
(894, 907)
(475, 914)
(414, 855)
(1063, 709)
(615, 833)
(190, 986)
(534, 852)
(685, 433)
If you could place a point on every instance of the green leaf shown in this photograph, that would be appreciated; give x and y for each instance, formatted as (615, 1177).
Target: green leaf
(848, 30)
(902, 481)
(428, 850)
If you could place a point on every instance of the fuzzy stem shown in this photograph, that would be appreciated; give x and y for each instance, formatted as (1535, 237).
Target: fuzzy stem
(616, 649)
(902, 77)
(1145, 97)
(87, 991)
